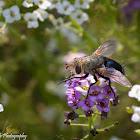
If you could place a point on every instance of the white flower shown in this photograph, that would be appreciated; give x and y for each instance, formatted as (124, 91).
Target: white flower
(27, 3)
(136, 116)
(32, 20)
(79, 16)
(135, 92)
(54, 4)
(42, 4)
(58, 23)
(84, 4)
(12, 14)
(1, 108)
(65, 8)
(41, 14)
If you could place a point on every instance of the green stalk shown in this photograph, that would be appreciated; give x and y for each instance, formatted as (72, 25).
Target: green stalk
(85, 137)
(73, 124)
(90, 120)
(82, 116)
(103, 129)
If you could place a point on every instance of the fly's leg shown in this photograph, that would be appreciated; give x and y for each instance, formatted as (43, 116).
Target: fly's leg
(96, 80)
(108, 84)
(70, 78)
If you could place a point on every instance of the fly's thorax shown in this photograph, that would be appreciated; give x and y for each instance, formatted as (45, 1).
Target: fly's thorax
(92, 62)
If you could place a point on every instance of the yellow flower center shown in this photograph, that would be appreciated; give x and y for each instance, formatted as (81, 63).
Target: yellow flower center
(94, 93)
(54, 2)
(79, 16)
(28, 1)
(98, 82)
(31, 19)
(40, 1)
(12, 13)
(85, 88)
(66, 7)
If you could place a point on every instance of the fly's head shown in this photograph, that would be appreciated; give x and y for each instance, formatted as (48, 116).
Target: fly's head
(75, 67)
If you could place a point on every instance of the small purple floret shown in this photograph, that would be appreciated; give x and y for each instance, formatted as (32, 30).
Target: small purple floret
(103, 105)
(108, 92)
(86, 104)
(95, 93)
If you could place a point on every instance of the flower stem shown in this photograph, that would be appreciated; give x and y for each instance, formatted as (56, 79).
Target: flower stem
(73, 124)
(103, 129)
(85, 137)
(90, 126)
(82, 116)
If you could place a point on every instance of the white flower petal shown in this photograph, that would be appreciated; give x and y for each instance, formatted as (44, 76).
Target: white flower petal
(26, 4)
(33, 24)
(1, 108)
(15, 9)
(9, 20)
(17, 17)
(79, 16)
(135, 92)
(6, 13)
(44, 5)
(84, 92)
(135, 118)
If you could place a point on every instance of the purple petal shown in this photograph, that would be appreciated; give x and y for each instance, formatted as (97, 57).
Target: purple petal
(67, 83)
(70, 98)
(85, 107)
(106, 109)
(100, 96)
(106, 101)
(81, 103)
(91, 103)
(99, 108)
(105, 90)
(77, 95)
(111, 95)
(69, 91)
(95, 88)
(93, 98)
(99, 100)
(73, 84)
(114, 89)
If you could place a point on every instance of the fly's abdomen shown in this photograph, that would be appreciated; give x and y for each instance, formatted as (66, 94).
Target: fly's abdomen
(113, 64)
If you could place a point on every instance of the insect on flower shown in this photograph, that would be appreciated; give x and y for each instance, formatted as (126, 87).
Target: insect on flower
(99, 64)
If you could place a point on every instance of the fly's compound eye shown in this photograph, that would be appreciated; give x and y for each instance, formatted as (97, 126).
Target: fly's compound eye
(78, 69)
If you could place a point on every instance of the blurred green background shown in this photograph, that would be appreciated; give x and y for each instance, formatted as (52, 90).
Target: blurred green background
(31, 66)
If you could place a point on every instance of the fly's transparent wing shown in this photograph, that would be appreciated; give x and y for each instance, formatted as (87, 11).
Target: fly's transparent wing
(117, 77)
(106, 49)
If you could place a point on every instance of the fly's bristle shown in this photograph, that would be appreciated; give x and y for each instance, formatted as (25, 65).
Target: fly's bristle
(123, 67)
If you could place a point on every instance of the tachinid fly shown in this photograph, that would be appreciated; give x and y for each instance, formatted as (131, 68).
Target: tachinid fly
(99, 64)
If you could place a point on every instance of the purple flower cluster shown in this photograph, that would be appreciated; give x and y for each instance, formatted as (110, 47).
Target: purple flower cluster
(100, 95)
